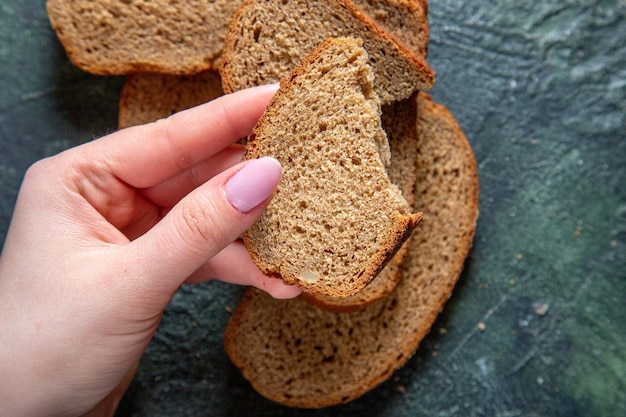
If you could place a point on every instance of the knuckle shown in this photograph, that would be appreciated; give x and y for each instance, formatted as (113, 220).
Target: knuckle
(44, 177)
(37, 169)
(201, 225)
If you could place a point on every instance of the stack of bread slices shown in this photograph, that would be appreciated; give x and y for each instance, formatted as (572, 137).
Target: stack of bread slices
(366, 156)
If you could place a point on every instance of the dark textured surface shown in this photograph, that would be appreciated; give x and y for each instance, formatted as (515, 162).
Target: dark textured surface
(540, 90)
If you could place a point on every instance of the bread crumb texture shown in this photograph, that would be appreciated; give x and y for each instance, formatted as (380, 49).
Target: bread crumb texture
(407, 20)
(302, 356)
(268, 38)
(148, 97)
(124, 36)
(336, 216)
(399, 120)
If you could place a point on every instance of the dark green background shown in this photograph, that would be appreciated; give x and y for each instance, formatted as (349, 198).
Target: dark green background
(540, 90)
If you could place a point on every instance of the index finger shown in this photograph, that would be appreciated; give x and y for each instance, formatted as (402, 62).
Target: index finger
(145, 155)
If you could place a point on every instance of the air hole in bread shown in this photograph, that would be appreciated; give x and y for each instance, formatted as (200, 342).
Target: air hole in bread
(335, 17)
(257, 33)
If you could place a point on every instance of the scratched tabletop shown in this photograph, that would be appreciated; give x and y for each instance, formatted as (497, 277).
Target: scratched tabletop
(537, 323)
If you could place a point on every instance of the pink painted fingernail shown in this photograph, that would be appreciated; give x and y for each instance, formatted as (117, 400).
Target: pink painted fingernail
(253, 184)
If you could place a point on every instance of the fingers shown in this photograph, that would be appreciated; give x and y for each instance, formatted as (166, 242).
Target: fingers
(233, 265)
(169, 192)
(205, 222)
(145, 155)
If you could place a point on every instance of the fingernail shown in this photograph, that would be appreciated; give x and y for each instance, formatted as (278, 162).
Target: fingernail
(253, 184)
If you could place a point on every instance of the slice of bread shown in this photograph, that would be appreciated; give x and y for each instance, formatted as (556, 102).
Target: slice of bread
(407, 20)
(149, 97)
(299, 355)
(399, 120)
(121, 36)
(268, 38)
(336, 219)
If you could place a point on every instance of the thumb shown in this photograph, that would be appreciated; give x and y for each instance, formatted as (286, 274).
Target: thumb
(204, 222)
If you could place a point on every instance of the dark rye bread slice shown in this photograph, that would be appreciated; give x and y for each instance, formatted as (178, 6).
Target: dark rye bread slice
(301, 356)
(336, 219)
(399, 120)
(123, 36)
(149, 97)
(407, 20)
(268, 38)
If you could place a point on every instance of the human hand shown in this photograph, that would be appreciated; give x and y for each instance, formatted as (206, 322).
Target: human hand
(102, 237)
